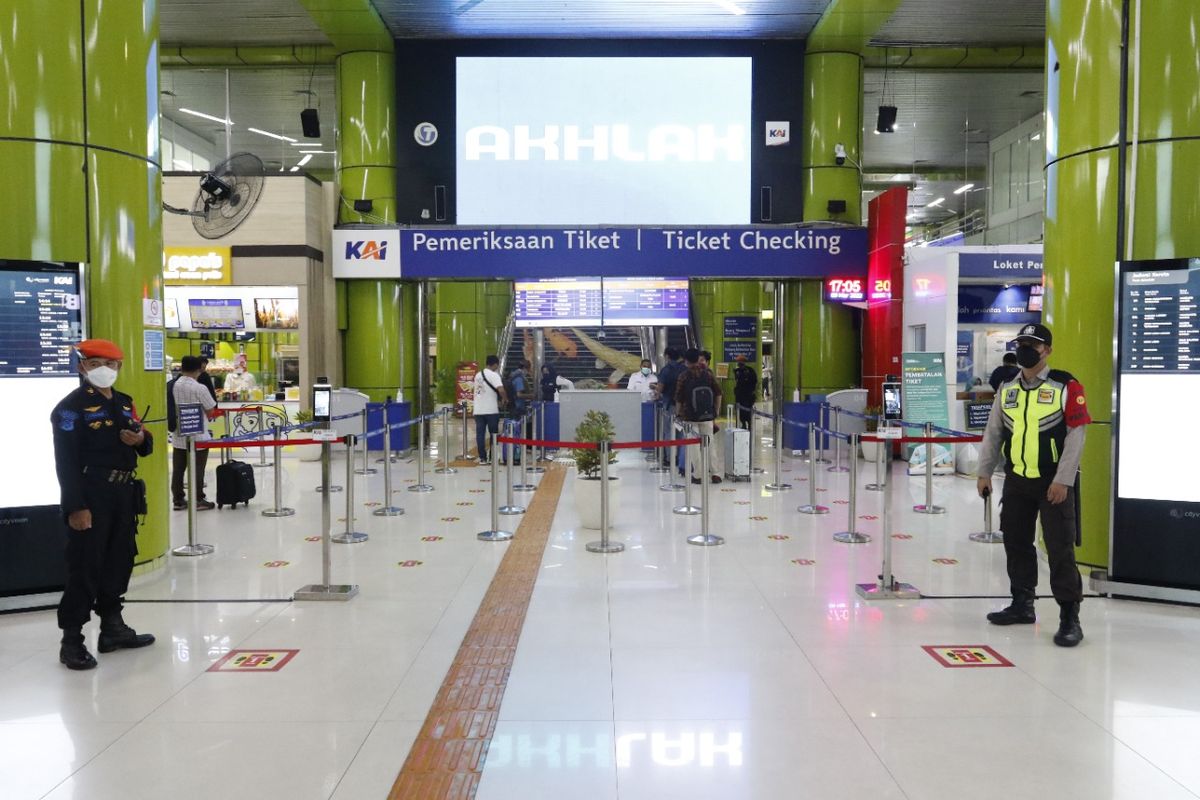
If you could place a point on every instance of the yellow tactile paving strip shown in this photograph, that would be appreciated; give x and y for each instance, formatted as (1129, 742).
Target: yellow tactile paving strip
(446, 761)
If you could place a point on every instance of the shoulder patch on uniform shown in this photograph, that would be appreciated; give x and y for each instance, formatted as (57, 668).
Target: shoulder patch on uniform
(67, 419)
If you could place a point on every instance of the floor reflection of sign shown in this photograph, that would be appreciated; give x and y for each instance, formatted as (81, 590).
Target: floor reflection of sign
(966, 655)
(253, 661)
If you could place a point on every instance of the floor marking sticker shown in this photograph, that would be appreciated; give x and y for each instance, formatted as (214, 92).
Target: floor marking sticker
(804, 562)
(410, 563)
(475, 491)
(464, 503)
(276, 563)
(966, 655)
(372, 503)
(432, 538)
(758, 518)
(868, 516)
(253, 661)
(779, 537)
(450, 519)
(741, 502)
(901, 535)
(949, 562)
(729, 490)
(312, 538)
(841, 502)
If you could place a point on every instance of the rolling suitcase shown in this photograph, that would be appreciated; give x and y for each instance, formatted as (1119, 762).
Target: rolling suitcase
(235, 482)
(737, 453)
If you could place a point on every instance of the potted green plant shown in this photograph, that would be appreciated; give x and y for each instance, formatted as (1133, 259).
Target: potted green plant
(596, 426)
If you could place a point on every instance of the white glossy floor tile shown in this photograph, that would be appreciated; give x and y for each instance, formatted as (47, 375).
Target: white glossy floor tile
(38, 754)
(378, 761)
(550, 759)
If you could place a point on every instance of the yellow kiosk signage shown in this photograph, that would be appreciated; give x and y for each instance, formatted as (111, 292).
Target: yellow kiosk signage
(197, 266)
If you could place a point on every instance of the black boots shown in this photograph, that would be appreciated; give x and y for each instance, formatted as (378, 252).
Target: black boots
(74, 653)
(115, 635)
(1019, 613)
(1069, 633)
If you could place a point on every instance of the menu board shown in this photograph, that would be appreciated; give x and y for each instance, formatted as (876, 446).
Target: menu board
(39, 320)
(1156, 506)
(558, 302)
(645, 301)
(219, 314)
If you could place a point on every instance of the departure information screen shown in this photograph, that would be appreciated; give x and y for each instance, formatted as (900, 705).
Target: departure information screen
(1156, 510)
(554, 302)
(645, 301)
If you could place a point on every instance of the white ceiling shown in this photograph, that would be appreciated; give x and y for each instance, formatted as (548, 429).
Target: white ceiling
(971, 23)
(230, 23)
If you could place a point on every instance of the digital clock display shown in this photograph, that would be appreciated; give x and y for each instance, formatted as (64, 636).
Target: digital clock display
(845, 290)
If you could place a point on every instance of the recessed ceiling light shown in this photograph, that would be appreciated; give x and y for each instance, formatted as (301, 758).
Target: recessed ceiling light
(964, 188)
(293, 169)
(304, 160)
(272, 135)
(1035, 137)
(202, 115)
(937, 202)
(306, 144)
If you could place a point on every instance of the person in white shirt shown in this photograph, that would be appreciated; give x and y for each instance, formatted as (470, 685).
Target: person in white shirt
(643, 381)
(188, 390)
(240, 380)
(489, 392)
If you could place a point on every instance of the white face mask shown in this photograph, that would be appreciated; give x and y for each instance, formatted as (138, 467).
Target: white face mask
(102, 377)
(645, 370)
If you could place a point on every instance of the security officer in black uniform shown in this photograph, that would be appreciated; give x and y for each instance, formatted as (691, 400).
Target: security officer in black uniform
(97, 440)
(1037, 424)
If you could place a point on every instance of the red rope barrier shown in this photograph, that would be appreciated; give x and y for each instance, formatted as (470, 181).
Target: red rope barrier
(594, 445)
(648, 445)
(923, 439)
(218, 444)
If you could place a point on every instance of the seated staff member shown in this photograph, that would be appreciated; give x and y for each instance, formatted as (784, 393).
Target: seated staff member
(643, 381)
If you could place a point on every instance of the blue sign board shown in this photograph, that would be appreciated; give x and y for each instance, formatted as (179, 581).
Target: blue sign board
(741, 327)
(966, 356)
(191, 419)
(999, 265)
(990, 303)
(731, 350)
(749, 251)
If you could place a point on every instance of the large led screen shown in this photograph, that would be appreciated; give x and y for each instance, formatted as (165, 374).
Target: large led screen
(591, 140)
(555, 302)
(645, 301)
(39, 321)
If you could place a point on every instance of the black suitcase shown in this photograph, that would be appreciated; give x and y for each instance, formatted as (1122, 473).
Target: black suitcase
(235, 483)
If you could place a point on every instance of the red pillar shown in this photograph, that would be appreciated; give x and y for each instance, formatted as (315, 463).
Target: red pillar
(883, 326)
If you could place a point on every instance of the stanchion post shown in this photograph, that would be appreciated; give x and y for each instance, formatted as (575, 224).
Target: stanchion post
(778, 485)
(928, 507)
(687, 509)
(823, 414)
(387, 510)
(446, 469)
(669, 483)
(655, 455)
(278, 510)
(704, 538)
(262, 451)
(494, 534)
(366, 468)
(465, 455)
(192, 548)
(987, 535)
(604, 545)
(877, 486)
(524, 485)
(851, 534)
(754, 443)
(420, 485)
(811, 507)
(326, 590)
(510, 507)
(537, 410)
(887, 587)
(350, 536)
(837, 447)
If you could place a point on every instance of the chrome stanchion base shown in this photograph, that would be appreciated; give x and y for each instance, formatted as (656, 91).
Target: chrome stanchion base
(758, 470)
(445, 471)
(807, 509)
(838, 469)
(536, 470)
(494, 536)
(874, 487)
(193, 550)
(671, 487)
(777, 487)
(924, 509)
(524, 487)
(321, 489)
(512, 510)
(987, 537)
(660, 469)
(268, 464)
(316, 591)
(823, 460)
(388, 511)
(395, 458)
(687, 511)
(706, 540)
(604, 547)
(851, 537)
(897, 591)
(279, 512)
(366, 471)
(420, 487)
(349, 537)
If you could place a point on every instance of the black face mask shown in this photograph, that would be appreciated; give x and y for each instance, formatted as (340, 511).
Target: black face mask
(1028, 356)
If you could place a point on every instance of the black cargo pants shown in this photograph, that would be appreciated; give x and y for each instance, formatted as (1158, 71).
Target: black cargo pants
(1023, 500)
(100, 559)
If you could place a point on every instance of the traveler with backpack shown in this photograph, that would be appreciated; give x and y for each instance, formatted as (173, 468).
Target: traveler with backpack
(183, 390)
(697, 398)
(489, 394)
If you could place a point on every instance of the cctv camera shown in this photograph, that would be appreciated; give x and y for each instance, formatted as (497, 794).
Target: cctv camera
(839, 154)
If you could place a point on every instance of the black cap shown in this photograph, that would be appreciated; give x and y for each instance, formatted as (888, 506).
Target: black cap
(1038, 333)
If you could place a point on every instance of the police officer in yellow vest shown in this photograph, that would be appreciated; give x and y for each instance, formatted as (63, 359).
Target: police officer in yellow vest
(1037, 424)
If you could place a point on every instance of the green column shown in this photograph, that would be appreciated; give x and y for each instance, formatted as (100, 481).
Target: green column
(84, 182)
(469, 318)
(729, 299)
(1083, 71)
(382, 347)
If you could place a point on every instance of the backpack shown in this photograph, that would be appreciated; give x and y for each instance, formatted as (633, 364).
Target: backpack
(700, 397)
(172, 412)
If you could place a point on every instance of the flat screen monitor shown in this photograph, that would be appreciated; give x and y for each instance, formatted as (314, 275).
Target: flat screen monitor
(645, 301)
(1037, 294)
(170, 313)
(276, 313)
(603, 140)
(40, 319)
(892, 408)
(223, 313)
(558, 302)
(1156, 508)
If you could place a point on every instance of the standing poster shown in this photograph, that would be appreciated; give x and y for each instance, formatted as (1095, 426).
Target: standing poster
(464, 384)
(924, 399)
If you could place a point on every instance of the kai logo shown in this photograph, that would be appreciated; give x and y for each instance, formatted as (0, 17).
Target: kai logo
(366, 250)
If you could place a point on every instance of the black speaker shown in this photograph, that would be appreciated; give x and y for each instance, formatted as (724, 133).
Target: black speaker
(311, 123)
(363, 206)
(886, 122)
(836, 207)
(764, 204)
(439, 203)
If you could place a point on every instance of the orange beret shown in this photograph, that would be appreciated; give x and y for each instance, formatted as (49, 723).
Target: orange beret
(99, 348)
(740, 358)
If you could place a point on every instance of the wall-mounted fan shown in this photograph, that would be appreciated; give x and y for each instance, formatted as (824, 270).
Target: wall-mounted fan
(228, 193)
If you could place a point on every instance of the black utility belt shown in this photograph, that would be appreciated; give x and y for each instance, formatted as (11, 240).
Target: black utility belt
(109, 475)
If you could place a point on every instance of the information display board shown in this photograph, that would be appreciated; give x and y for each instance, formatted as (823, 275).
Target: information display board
(40, 318)
(1156, 508)
(645, 301)
(845, 290)
(925, 400)
(558, 302)
(223, 313)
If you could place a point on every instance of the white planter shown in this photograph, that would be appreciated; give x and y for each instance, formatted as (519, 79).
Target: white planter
(587, 500)
(870, 451)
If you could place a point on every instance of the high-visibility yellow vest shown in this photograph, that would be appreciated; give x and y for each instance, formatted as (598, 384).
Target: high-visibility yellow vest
(1035, 424)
